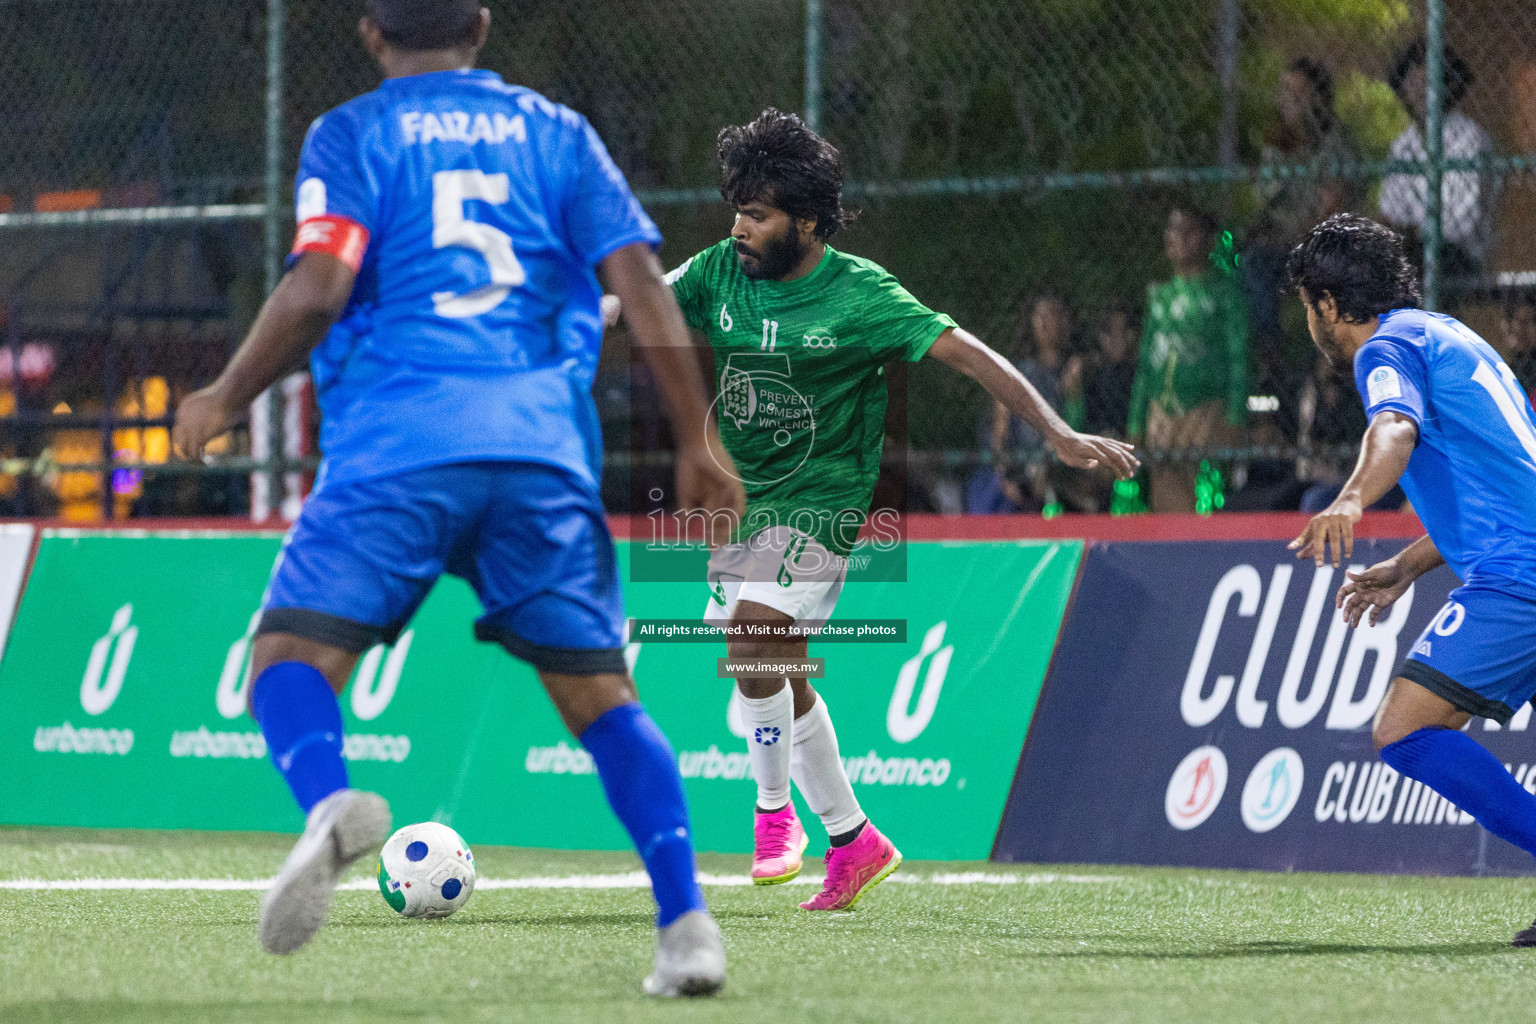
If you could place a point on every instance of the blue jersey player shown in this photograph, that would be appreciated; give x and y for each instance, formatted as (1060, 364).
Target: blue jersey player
(1449, 421)
(451, 229)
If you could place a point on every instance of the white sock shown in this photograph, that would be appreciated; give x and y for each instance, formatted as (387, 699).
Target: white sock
(818, 771)
(770, 723)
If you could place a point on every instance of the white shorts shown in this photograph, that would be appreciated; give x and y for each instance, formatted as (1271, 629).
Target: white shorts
(789, 571)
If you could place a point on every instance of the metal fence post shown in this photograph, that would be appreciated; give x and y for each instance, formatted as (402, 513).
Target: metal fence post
(272, 223)
(1227, 43)
(813, 64)
(267, 480)
(1434, 147)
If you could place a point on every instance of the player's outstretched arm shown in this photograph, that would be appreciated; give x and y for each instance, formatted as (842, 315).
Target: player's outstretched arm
(1384, 453)
(1375, 589)
(965, 352)
(706, 476)
(303, 306)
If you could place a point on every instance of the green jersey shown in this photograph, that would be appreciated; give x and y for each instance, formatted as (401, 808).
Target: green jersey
(1194, 349)
(802, 394)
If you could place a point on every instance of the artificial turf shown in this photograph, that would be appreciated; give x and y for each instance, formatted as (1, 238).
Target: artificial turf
(1054, 944)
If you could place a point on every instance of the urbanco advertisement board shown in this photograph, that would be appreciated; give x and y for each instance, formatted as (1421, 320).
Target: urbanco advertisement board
(123, 693)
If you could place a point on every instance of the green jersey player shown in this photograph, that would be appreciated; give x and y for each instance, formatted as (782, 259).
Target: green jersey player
(801, 334)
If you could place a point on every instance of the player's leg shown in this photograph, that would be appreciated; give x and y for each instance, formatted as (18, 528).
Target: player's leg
(546, 572)
(816, 765)
(638, 770)
(803, 583)
(350, 575)
(293, 699)
(859, 856)
(1473, 659)
(768, 713)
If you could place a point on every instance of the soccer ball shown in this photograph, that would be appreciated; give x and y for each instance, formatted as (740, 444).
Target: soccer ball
(426, 870)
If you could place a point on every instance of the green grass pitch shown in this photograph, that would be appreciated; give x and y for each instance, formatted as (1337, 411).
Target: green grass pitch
(1053, 944)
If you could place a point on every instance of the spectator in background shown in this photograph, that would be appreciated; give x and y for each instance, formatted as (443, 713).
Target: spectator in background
(1519, 340)
(1042, 346)
(1191, 387)
(1306, 132)
(1098, 383)
(1329, 417)
(1467, 197)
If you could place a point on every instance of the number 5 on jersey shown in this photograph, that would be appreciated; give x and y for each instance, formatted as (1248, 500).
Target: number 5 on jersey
(450, 191)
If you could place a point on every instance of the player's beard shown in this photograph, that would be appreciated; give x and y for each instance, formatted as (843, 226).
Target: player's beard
(777, 258)
(1327, 341)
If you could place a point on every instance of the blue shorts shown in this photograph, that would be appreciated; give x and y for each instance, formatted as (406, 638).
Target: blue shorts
(530, 539)
(1479, 652)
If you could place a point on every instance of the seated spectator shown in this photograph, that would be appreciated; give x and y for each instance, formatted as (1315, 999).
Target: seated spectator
(1042, 350)
(1468, 198)
(1098, 384)
(1519, 340)
(1308, 133)
(1329, 418)
(1331, 422)
(1191, 386)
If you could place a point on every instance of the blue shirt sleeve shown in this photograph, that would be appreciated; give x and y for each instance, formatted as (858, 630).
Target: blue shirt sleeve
(601, 215)
(334, 177)
(1391, 374)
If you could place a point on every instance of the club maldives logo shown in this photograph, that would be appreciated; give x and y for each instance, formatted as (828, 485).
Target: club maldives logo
(1195, 788)
(1272, 789)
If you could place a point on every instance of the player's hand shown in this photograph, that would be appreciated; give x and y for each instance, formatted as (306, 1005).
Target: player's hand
(201, 417)
(612, 310)
(1089, 451)
(1333, 527)
(1372, 590)
(707, 480)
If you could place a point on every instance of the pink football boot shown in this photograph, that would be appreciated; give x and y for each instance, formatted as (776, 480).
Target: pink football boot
(778, 847)
(855, 869)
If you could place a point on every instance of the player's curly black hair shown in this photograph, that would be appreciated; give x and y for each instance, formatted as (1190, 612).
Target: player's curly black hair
(777, 159)
(1359, 263)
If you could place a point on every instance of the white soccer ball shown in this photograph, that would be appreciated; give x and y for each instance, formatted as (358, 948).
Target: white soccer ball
(426, 870)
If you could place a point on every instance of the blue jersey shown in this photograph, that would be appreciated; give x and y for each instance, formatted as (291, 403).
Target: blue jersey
(1472, 478)
(474, 213)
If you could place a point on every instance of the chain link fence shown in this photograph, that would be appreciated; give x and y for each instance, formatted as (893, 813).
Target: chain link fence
(1103, 191)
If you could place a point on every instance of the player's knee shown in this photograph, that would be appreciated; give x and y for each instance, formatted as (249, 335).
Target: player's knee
(759, 687)
(581, 700)
(270, 649)
(1384, 733)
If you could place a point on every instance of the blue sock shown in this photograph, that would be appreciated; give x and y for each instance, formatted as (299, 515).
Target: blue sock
(639, 774)
(301, 721)
(1462, 770)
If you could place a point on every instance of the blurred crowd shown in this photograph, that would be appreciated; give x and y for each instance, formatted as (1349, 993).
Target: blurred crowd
(1211, 373)
(1209, 370)
(54, 424)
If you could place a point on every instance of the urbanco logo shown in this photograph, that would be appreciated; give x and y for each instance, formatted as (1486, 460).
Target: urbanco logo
(235, 679)
(372, 689)
(1272, 789)
(901, 721)
(1195, 788)
(101, 684)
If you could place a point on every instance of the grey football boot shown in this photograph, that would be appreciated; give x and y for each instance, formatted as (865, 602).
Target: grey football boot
(343, 827)
(690, 958)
